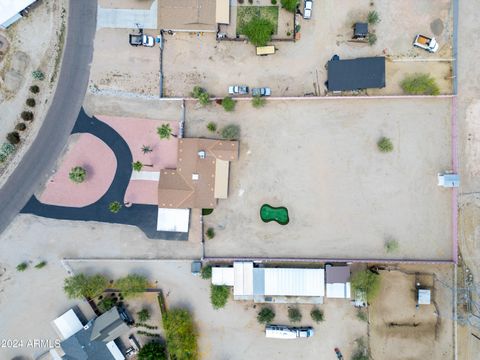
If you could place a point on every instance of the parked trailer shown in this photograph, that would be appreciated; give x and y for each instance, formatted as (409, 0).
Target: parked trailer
(265, 50)
(287, 332)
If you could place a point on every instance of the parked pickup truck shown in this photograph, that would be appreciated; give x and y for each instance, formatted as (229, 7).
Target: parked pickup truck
(263, 91)
(238, 90)
(429, 44)
(287, 332)
(307, 9)
(141, 40)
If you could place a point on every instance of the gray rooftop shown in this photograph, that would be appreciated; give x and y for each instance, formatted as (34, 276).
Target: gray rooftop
(356, 74)
(337, 274)
(79, 347)
(109, 326)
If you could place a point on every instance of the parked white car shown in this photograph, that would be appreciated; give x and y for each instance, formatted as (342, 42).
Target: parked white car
(263, 91)
(238, 90)
(307, 9)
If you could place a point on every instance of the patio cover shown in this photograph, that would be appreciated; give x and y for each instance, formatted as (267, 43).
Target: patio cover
(175, 220)
(223, 276)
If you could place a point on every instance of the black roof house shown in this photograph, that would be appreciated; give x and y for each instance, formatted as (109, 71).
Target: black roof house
(356, 74)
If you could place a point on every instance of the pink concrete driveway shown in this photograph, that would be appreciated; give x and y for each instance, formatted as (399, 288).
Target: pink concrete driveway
(97, 158)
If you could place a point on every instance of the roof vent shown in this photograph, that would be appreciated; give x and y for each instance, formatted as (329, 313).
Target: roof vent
(202, 154)
(194, 176)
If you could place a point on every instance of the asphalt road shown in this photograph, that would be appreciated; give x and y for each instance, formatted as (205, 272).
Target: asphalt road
(61, 116)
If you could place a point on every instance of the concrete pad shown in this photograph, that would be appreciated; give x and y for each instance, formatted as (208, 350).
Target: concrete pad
(127, 18)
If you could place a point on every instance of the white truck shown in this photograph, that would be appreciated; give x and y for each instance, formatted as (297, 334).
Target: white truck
(141, 40)
(287, 332)
(426, 43)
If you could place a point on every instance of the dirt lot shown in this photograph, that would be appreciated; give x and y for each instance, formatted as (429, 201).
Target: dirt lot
(233, 333)
(400, 331)
(344, 197)
(297, 68)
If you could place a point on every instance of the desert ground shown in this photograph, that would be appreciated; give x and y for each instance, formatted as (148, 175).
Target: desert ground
(344, 197)
(296, 69)
(400, 331)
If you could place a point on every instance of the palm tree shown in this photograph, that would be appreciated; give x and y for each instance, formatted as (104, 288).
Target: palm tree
(138, 165)
(165, 131)
(146, 149)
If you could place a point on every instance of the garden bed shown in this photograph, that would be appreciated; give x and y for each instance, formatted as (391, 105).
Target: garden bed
(247, 13)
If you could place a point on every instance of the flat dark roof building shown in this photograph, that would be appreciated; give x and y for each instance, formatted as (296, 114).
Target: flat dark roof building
(356, 74)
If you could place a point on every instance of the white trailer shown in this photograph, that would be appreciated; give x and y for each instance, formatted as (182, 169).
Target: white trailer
(287, 332)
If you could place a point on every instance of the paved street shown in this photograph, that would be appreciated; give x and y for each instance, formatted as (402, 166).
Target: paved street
(64, 109)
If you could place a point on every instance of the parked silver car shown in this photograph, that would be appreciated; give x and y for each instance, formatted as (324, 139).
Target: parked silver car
(238, 90)
(263, 91)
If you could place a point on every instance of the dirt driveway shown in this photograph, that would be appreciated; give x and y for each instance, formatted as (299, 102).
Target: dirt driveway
(400, 331)
(344, 197)
(233, 332)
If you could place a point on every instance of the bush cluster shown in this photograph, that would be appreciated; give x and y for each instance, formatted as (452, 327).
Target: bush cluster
(181, 334)
(27, 115)
(420, 84)
(259, 31)
(13, 137)
(231, 132)
(228, 104)
(219, 296)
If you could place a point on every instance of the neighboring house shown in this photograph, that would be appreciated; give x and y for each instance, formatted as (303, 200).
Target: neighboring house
(10, 11)
(272, 285)
(94, 341)
(201, 177)
(337, 281)
(356, 74)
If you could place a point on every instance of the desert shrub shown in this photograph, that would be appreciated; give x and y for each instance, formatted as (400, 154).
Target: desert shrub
(152, 351)
(115, 206)
(20, 126)
(38, 75)
(231, 132)
(41, 265)
(77, 174)
(204, 99)
(212, 127)
(265, 315)
(81, 285)
(297, 28)
(391, 245)
(132, 285)
(228, 104)
(373, 17)
(106, 304)
(365, 282)
(258, 102)
(197, 91)
(22, 266)
(210, 233)
(143, 315)
(206, 272)
(259, 31)
(290, 5)
(420, 84)
(372, 39)
(362, 315)
(294, 314)
(30, 102)
(317, 315)
(13, 137)
(385, 144)
(219, 295)
(273, 2)
(181, 334)
(34, 89)
(7, 149)
(27, 115)
(3, 157)
(361, 352)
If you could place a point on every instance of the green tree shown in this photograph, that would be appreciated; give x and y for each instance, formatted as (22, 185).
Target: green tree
(41, 264)
(77, 174)
(228, 104)
(152, 351)
(34, 89)
(231, 132)
(106, 304)
(317, 315)
(84, 286)
(27, 115)
(210, 233)
(373, 18)
(132, 285)
(143, 315)
(420, 84)
(385, 144)
(146, 149)
(181, 334)
(212, 127)
(265, 315)
(197, 91)
(294, 314)
(259, 31)
(258, 102)
(115, 207)
(366, 282)
(165, 131)
(22, 266)
(219, 295)
(206, 272)
(13, 137)
(290, 5)
(137, 166)
(30, 102)
(204, 99)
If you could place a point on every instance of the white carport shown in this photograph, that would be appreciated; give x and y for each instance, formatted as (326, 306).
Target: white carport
(294, 282)
(174, 220)
(68, 324)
